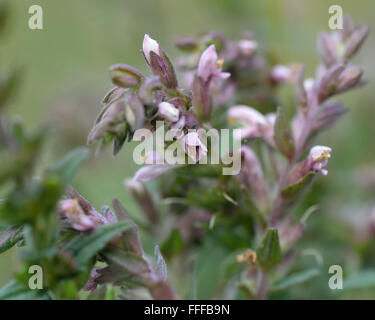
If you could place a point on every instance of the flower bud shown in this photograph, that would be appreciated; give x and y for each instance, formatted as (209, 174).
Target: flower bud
(281, 73)
(150, 45)
(247, 47)
(186, 43)
(159, 62)
(355, 41)
(168, 112)
(125, 76)
(327, 51)
(329, 81)
(349, 78)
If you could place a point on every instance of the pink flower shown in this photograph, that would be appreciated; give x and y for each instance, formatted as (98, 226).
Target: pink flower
(71, 210)
(252, 122)
(85, 219)
(209, 66)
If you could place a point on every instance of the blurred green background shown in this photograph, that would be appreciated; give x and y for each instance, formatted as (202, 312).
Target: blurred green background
(65, 77)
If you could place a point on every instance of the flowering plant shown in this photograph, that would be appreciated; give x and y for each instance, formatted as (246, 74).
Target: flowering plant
(247, 215)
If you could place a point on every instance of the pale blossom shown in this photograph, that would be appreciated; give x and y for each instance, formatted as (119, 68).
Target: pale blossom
(168, 112)
(210, 66)
(150, 45)
(319, 156)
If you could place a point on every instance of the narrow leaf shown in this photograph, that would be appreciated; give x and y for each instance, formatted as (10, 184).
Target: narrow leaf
(17, 291)
(269, 252)
(295, 279)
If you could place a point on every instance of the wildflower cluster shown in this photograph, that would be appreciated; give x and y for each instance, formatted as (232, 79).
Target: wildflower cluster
(221, 84)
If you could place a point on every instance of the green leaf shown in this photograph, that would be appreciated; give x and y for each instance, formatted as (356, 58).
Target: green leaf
(9, 237)
(269, 252)
(18, 291)
(363, 279)
(283, 137)
(291, 192)
(85, 246)
(124, 263)
(67, 166)
(173, 244)
(295, 279)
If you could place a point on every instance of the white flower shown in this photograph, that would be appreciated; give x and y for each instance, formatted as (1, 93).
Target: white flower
(168, 112)
(149, 45)
(319, 156)
(320, 153)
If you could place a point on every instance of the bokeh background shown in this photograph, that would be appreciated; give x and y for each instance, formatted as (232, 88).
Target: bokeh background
(65, 77)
